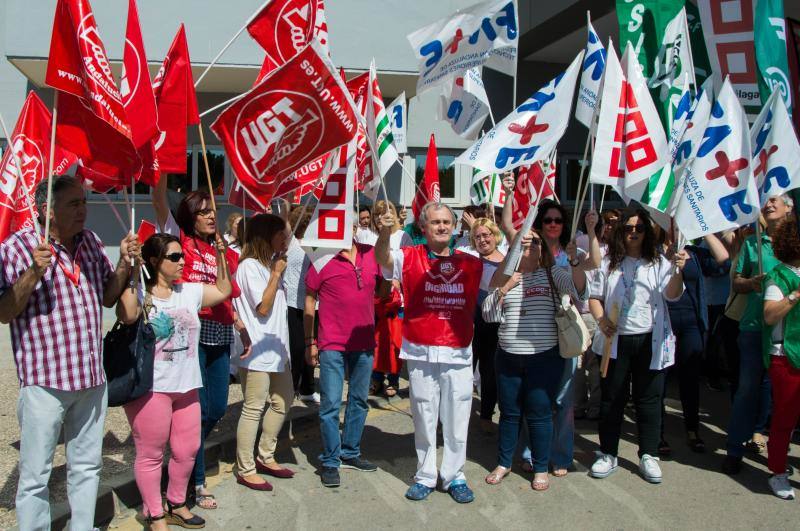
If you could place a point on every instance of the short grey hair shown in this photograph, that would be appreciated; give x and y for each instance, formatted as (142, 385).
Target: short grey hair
(435, 205)
(60, 184)
(786, 198)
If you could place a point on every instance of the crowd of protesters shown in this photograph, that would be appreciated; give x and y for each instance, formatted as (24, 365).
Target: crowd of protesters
(447, 308)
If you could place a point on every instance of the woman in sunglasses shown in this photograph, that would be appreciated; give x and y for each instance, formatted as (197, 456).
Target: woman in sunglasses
(265, 374)
(195, 223)
(171, 411)
(629, 301)
(528, 364)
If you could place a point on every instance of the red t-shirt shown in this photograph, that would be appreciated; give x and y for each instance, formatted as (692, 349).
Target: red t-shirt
(346, 305)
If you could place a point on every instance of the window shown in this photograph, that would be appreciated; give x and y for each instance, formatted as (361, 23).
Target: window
(216, 165)
(450, 177)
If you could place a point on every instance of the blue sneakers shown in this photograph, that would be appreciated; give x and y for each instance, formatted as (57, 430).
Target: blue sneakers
(460, 492)
(418, 492)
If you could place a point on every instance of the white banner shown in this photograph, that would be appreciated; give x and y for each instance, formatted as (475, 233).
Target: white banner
(604, 157)
(594, 63)
(397, 117)
(719, 191)
(485, 186)
(464, 104)
(467, 39)
(776, 151)
(532, 131)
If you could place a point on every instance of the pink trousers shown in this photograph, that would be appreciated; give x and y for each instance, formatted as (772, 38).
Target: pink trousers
(156, 418)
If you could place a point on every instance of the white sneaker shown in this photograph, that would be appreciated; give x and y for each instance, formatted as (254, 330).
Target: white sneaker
(604, 466)
(648, 466)
(313, 397)
(779, 483)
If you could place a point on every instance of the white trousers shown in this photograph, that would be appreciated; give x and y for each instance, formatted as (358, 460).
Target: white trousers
(42, 412)
(440, 391)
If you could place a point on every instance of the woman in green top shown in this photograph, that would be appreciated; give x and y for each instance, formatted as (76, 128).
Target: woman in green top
(782, 351)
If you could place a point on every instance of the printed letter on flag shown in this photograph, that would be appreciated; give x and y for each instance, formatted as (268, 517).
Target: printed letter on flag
(464, 104)
(298, 113)
(770, 42)
(397, 117)
(594, 63)
(719, 191)
(468, 39)
(29, 146)
(532, 131)
(776, 152)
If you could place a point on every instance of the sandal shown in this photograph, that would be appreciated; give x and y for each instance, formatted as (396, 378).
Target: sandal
(527, 466)
(205, 501)
(696, 444)
(195, 522)
(389, 391)
(560, 472)
(540, 485)
(497, 475)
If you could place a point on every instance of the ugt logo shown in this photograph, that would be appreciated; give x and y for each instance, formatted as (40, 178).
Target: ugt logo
(294, 21)
(275, 130)
(30, 159)
(95, 60)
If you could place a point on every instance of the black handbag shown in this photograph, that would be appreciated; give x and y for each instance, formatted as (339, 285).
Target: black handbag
(128, 355)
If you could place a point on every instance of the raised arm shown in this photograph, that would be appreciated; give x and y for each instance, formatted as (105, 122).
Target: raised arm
(717, 248)
(675, 285)
(15, 298)
(160, 203)
(383, 253)
(506, 221)
(217, 293)
(129, 249)
(128, 307)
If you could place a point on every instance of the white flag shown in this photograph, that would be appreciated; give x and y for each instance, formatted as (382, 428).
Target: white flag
(397, 118)
(719, 192)
(606, 158)
(776, 151)
(594, 64)
(380, 133)
(532, 131)
(486, 188)
(464, 104)
(331, 227)
(467, 39)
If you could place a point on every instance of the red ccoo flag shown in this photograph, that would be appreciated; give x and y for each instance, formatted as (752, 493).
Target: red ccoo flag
(30, 146)
(284, 27)
(91, 118)
(136, 90)
(298, 113)
(177, 105)
(430, 181)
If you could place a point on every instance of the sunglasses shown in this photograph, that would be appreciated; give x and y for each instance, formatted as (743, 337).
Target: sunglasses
(638, 228)
(174, 257)
(205, 212)
(550, 221)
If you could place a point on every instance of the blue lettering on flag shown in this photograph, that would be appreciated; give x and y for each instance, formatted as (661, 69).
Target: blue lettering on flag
(397, 113)
(454, 112)
(728, 203)
(761, 137)
(508, 156)
(780, 175)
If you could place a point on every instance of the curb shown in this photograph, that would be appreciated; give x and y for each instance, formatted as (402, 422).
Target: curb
(119, 493)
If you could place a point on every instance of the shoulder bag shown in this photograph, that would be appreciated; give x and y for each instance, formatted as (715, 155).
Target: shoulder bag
(573, 336)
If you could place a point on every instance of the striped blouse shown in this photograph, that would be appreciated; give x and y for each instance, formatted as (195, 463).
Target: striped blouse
(527, 314)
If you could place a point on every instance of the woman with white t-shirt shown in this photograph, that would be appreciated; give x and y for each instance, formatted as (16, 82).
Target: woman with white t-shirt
(628, 299)
(782, 352)
(266, 374)
(171, 411)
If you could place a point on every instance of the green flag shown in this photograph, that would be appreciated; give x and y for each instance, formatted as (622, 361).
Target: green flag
(702, 65)
(770, 40)
(672, 68)
(643, 23)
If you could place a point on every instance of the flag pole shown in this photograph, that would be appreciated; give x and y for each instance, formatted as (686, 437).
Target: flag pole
(230, 42)
(584, 164)
(20, 178)
(516, 67)
(53, 122)
(223, 104)
(208, 170)
(603, 197)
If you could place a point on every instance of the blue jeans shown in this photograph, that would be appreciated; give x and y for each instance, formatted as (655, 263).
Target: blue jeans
(747, 400)
(215, 371)
(347, 444)
(527, 384)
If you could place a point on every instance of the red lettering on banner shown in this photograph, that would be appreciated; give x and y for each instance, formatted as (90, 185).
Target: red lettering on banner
(331, 224)
(630, 125)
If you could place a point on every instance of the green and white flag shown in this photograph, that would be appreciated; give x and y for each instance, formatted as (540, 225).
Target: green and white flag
(702, 65)
(379, 131)
(486, 187)
(673, 65)
(643, 24)
(770, 40)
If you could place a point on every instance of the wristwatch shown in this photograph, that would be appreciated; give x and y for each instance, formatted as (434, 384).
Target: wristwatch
(574, 263)
(792, 297)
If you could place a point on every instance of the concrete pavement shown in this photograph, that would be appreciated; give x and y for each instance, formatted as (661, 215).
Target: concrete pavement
(694, 494)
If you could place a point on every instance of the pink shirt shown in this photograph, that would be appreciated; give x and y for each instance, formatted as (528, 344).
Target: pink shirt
(346, 305)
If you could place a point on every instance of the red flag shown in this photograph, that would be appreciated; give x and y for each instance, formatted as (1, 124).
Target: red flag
(296, 115)
(30, 145)
(305, 177)
(146, 229)
(365, 166)
(92, 122)
(529, 182)
(177, 105)
(138, 98)
(243, 198)
(284, 27)
(430, 181)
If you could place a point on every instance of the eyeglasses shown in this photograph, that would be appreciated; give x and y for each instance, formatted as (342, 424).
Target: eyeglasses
(204, 212)
(638, 228)
(174, 257)
(549, 221)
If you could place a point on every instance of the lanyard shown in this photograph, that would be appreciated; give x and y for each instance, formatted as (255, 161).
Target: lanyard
(75, 275)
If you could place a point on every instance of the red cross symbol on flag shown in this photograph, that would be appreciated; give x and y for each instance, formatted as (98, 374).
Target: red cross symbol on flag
(453, 46)
(726, 168)
(527, 131)
(763, 157)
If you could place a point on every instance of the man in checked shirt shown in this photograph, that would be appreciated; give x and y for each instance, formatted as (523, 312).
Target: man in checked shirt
(51, 297)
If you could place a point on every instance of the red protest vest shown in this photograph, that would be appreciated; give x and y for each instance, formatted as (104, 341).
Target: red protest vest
(201, 266)
(440, 296)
